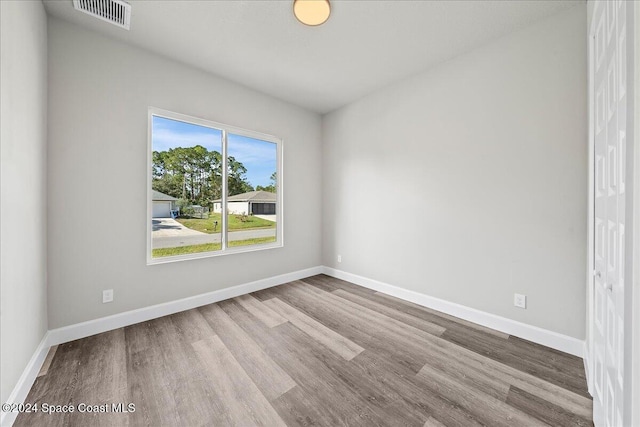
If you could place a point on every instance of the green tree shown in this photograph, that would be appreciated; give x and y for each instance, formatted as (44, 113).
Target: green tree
(194, 174)
(191, 173)
(237, 180)
(271, 187)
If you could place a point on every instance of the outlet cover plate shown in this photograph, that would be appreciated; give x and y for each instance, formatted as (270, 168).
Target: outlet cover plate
(107, 296)
(520, 300)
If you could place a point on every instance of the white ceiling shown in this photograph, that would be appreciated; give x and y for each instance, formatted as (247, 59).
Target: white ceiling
(364, 46)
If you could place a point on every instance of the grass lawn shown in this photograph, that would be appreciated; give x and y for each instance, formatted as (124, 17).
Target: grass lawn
(207, 247)
(206, 225)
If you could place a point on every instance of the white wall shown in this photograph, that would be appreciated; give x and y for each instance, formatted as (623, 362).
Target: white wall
(238, 207)
(100, 92)
(23, 200)
(487, 155)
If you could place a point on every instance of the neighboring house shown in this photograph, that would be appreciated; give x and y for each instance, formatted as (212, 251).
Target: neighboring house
(251, 203)
(163, 204)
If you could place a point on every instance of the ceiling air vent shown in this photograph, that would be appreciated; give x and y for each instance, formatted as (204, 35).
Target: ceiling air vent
(116, 12)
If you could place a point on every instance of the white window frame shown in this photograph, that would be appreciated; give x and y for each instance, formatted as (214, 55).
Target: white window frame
(225, 129)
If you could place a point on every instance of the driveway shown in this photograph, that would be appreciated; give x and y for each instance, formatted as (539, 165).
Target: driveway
(169, 227)
(271, 218)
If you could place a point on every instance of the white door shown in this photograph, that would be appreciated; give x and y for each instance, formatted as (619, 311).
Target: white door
(610, 111)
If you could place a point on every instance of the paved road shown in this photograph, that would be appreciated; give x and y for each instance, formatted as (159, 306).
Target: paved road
(200, 238)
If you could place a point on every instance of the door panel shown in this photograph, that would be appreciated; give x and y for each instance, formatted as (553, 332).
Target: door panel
(609, 71)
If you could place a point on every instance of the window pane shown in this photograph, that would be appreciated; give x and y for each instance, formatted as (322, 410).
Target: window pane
(187, 181)
(252, 200)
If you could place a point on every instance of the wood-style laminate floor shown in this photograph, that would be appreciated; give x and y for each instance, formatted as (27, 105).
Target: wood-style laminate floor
(319, 351)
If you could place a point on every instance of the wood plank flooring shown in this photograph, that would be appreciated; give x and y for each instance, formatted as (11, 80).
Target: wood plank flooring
(319, 351)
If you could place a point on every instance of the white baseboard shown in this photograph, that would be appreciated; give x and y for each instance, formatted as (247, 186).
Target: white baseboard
(28, 377)
(522, 330)
(109, 323)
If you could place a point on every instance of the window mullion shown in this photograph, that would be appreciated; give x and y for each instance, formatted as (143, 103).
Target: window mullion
(223, 211)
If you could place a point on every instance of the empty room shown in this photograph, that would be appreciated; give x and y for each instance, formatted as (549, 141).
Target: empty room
(320, 213)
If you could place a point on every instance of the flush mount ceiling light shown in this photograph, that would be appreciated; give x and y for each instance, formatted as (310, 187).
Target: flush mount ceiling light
(312, 12)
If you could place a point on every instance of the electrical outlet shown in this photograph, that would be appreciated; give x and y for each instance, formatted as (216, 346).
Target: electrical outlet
(339, 258)
(107, 296)
(520, 300)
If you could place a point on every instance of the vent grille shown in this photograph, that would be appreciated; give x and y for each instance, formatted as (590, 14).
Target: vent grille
(116, 12)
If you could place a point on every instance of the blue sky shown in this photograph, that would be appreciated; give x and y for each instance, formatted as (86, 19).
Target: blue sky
(259, 157)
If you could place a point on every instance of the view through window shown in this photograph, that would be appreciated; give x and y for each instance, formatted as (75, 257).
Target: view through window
(197, 206)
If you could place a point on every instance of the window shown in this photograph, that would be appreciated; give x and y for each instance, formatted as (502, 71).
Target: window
(213, 189)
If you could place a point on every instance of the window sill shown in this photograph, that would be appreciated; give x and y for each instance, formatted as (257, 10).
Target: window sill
(230, 251)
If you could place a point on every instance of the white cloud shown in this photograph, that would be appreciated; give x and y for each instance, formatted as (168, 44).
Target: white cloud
(251, 151)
